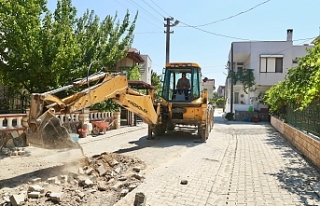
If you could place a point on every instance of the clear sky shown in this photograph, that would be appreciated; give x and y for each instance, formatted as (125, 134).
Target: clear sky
(207, 27)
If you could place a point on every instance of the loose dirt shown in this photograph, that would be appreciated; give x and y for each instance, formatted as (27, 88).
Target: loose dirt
(99, 180)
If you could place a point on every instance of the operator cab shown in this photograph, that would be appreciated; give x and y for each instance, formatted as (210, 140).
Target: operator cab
(181, 82)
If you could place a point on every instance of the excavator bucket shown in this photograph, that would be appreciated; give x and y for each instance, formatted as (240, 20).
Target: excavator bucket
(50, 134)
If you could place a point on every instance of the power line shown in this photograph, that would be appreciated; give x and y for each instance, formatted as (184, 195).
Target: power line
(145, 10)
(153, 8)
(212, 33)
(230, 17)
(139, 16)
(160, 8)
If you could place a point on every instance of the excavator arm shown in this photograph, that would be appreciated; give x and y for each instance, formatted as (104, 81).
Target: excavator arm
(45, 129)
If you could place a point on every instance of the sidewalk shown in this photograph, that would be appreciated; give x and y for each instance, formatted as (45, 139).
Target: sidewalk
(241, 164)
(112, 133)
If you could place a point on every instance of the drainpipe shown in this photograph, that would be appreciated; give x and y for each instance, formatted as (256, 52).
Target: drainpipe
(231, 90)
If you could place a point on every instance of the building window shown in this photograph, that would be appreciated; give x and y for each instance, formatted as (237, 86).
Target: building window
(271, 65)
(236, 98)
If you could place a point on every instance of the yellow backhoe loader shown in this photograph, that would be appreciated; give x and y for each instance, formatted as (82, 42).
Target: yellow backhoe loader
(175, 106)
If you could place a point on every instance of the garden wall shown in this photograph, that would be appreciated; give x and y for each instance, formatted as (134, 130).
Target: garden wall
(308, 145)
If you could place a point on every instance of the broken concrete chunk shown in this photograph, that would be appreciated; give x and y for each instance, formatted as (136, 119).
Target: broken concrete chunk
(63, 178)
(35, 180)
(184, 182)
(92, 191)
(34, 194)
(81, 194)
(136, 169)
(140, 199)
(132, 186)
(52, 180)
(21, 153)
(137, 176)
(113, 163)
(101, 170)
(80, 171)
(15, 153)
(17, 200)
(89, 171)
(5, 151)
(117, 170)
(122, 178)
(57, 196)
(111, 181)
(116, 187)
(124, 192)
(88, 183)
(102, 185)
(35, 188)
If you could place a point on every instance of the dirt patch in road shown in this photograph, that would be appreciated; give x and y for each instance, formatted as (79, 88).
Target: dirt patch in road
(101, 179)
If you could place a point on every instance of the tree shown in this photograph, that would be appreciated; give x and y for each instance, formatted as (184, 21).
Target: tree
(301, 86)
(41, 51)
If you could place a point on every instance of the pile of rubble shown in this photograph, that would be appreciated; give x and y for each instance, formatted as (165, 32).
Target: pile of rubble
(106, 177)
(14, 151)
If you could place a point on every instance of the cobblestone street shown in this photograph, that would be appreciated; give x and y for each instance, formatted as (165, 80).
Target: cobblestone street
(241, 164)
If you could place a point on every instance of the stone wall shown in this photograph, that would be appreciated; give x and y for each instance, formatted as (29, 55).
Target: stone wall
(309, 146)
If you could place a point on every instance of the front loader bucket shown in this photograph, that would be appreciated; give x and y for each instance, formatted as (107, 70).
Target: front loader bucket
(50, 134)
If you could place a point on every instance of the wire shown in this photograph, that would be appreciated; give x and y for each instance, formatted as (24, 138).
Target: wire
(145, 11)
(159, 7)
(230, 17)
(216, 34)
(152, 8)
(139, 16)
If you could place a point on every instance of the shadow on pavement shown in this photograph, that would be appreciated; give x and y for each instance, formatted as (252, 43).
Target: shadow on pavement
(167, 140)
(298, 174)
(44, 174)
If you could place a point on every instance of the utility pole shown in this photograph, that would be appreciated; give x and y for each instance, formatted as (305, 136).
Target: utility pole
(168, 32)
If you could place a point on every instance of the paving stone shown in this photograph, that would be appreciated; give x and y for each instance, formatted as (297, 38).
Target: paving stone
(80, 171)
(63, 178)
(124, 192)
(17, 200)
(102, 185)
(21, 153)
(57, 196)
(35, 188)
(89, 171)
(88, 183)
(52, 180)
(132, 186)
(101, 170)
(34, 194)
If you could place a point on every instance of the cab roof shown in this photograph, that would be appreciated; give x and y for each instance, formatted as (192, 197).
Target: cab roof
(183, 64)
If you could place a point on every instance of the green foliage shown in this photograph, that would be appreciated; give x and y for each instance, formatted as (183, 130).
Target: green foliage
(301, 85)
(156, 81)
(107, 105)
(221, 102)
(41, 50)
(246, 77)
(134, 73)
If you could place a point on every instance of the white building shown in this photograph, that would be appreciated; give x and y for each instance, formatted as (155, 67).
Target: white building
(210, 86)
(145, 70)
(269, 61)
